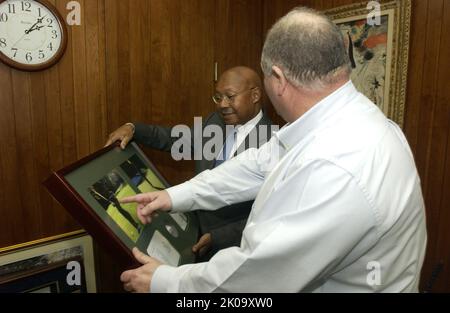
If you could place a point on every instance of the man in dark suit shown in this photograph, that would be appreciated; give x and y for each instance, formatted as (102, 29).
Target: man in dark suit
(238, 97)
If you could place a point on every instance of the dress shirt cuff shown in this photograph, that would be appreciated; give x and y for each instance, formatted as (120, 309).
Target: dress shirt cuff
(161, 279)
(181, 196)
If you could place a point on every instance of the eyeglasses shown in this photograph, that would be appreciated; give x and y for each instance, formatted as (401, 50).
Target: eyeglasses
(218, 98)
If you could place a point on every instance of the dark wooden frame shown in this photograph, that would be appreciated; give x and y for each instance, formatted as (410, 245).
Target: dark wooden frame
(69, 198)
(56, 57)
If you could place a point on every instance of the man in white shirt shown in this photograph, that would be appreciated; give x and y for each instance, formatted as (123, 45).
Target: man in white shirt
(338, 202)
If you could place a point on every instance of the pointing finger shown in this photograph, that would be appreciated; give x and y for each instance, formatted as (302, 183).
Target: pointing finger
(141, 198)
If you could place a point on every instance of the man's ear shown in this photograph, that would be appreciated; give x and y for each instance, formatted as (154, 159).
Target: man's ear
(256, 95)
(281, 82)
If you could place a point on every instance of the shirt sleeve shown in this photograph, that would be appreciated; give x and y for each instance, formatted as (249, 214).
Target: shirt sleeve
(315, 221)
(237, 180)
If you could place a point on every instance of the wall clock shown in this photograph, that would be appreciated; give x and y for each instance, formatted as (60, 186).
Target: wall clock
(33, 35)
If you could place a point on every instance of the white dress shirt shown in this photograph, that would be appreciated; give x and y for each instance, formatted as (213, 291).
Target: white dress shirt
(242, 132)
(338, 208)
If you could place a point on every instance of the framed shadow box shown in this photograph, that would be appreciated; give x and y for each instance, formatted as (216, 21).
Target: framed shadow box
(90, 190)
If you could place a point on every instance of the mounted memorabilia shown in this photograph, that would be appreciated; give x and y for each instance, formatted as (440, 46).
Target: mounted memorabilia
(90, 190)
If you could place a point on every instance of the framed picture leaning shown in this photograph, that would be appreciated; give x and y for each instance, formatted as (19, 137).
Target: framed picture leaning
(90, 190)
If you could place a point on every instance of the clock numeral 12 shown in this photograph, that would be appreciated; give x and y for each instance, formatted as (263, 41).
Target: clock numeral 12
(26, 6)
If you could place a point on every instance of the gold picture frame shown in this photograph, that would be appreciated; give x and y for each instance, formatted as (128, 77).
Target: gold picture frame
(45, 265)
(379, 53)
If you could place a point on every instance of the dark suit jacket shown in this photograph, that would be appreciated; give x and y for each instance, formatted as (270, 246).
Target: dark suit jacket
(226, 224)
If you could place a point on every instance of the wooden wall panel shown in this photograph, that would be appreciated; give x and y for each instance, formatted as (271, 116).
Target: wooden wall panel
(67, 103)
(13, 229)
(239, 33)
(112, 61)
(181, 67)
(427, 120)
(25, 170)
(80, 85)
(442, 124)
(40, 150)
(436, 184)
(95, 72)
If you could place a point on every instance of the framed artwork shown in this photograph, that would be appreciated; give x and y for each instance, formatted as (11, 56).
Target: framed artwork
(90, 190)
(378, 51)
(62, 264)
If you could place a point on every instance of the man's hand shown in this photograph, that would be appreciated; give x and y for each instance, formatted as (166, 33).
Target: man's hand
(124, 134)
(148, 203)
(203, 244)
(139, 279)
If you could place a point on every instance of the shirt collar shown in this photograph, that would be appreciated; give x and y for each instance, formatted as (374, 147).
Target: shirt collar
(294, 132)
(250, 124)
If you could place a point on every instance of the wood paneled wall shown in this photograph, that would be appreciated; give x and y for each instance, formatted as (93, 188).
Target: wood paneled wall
(239, 37)
(160, 66)
(427, 127)
(427, 120)
(153, 61)
(149, 61)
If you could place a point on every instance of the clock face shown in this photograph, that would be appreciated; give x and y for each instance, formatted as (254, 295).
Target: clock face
(31, 34)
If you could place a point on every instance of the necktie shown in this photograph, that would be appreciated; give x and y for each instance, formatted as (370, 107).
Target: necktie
(226, 150)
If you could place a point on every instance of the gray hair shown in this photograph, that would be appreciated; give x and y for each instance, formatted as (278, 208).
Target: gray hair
(308, 47)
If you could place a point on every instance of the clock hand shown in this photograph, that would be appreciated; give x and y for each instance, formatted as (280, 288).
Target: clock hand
(18, 40)
(27, 31)
(39, 21)
(23, 36)
(42, 26)
(39, 27)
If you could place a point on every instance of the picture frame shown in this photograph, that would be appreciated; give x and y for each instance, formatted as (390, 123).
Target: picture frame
(379, 52)
(90, 190)
(60, 264)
